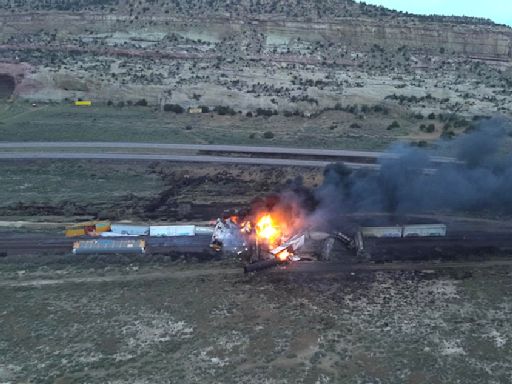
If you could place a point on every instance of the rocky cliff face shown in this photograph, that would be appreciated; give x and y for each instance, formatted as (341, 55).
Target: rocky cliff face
(282, 55)
(357, 33)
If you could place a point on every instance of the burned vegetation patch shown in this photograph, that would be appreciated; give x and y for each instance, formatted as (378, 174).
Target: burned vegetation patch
(7, 86)
(192, 193)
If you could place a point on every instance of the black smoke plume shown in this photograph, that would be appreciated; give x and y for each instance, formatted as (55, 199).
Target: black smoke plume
(478, 178)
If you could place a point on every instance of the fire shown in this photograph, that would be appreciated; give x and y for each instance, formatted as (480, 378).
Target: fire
(267, 230)
(283, 255)
(246, 227)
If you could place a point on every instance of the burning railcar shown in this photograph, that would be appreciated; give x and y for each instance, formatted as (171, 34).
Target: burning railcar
(262, 237)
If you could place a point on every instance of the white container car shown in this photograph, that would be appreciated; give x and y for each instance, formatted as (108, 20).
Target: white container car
(172, 230)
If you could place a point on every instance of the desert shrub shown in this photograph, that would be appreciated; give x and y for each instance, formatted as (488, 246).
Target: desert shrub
(421, 144)
(393, 125)
(223, 110)
(427, 128)
(268, 135)
(264, 112)
(448, 135)
(176, 108)
(461, 123)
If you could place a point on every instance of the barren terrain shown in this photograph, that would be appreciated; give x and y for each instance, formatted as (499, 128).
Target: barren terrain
(204, 322)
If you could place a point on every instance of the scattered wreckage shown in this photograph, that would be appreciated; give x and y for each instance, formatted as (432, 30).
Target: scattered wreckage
(266, 239)
(264, 242)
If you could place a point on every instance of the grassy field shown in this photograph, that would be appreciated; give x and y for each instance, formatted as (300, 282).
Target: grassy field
(62, 191)
(65, 122)
(209, 323)
(79, 181)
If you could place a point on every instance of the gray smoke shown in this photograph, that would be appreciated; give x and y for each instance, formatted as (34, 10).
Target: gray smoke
(480, 179)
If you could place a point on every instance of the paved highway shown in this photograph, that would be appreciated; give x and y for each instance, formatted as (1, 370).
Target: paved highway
(342, 153)
(195, 147)
(176, 158)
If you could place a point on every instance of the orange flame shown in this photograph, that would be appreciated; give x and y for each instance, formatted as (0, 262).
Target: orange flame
(283, 255)
(267, 230)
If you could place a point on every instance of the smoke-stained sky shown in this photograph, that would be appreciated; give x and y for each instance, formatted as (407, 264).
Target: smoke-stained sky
(500, 11)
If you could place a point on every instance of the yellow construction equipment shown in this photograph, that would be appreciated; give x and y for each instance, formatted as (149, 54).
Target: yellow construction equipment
(83, 103)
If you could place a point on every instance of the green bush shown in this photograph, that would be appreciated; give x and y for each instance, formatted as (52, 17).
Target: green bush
(268, 135)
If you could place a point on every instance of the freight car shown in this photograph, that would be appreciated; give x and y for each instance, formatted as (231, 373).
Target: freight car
(130, 230)
(172, 230)
(109, 246)
(408, 230)
(90, 228)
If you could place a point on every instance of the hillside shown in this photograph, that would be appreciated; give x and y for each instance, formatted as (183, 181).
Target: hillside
(258, 57)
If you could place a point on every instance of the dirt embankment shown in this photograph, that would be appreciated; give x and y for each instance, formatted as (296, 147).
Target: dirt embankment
(138, 191)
